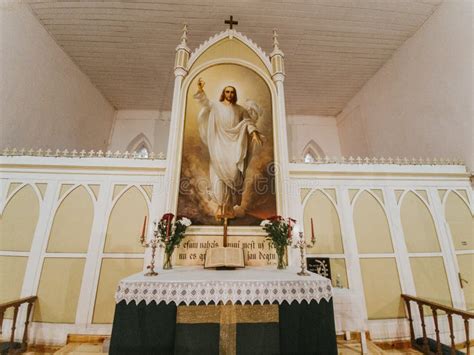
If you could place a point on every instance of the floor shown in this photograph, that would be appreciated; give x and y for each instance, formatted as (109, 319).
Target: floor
(345, 348)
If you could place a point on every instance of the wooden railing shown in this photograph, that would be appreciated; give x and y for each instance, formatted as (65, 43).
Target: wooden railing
(16, 304)
(435, 308)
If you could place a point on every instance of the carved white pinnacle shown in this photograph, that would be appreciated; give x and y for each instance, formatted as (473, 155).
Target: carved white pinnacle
(183, 45)
(184, 36)
(276, 45)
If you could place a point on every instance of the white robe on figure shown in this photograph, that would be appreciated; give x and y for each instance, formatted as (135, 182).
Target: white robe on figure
(224, 129)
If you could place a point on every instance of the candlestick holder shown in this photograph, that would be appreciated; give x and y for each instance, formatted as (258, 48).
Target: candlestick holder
(153, 244)
(302, 244)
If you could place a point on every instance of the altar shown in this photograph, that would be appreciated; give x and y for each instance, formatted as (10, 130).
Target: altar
(226, 181)
(256, 310)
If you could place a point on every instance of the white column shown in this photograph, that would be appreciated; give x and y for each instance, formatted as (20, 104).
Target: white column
(85, 306)
(351, 252)
(173, 149)
(282, 139)
(407, 283)
(447, 249)
(40, 238)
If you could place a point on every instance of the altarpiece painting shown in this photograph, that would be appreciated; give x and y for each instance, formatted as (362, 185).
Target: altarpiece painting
(227, 165)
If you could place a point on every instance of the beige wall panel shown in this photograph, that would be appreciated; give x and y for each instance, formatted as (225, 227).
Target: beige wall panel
(441, 194)
(96, 190)
(111, 272)
(466, 268)
(125, 223)
(58, 291)
(12, 187)
(18, 221)
(382, 288)
(430, 278)
(398, 194)
(117, 190)
(64, 189)
(463, 193)
(338, 267)
(424, 195)
(12, 273)
(332, 193)
(42, 189)
(230, 48)
(303, 193)
(72, 223)
(371, 225)
(461, 222)
(418, 226)
(379, 194)
(326, 225)
(149, 190)
(352, 194)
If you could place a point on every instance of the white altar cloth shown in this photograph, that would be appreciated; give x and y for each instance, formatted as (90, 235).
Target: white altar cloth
(191, 284)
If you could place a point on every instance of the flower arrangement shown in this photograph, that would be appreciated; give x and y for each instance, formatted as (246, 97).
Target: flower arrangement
(279, 231)
(170, 231)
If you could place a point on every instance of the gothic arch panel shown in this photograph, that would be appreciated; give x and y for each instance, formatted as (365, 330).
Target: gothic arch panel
(460, 221)
(125, 222)
(371, 225)
(111, 272)
(12, 273)
(431, 280)
(72, 224)
(18, 221)
(418, 225)
(326, 223)
(58, 290)
(382, 288)
(229, 48)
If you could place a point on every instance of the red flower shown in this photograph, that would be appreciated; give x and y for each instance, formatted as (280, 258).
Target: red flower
(167, 216)
(275, 218)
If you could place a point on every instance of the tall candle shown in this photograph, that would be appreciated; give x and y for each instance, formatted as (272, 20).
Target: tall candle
(312, 231)
(143, 229)
(289, 228)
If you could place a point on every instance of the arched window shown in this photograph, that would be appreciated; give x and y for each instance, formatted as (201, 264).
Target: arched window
(141, 145)
(312, 152)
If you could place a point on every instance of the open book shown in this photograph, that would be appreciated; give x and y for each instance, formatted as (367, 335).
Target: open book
(224, 257)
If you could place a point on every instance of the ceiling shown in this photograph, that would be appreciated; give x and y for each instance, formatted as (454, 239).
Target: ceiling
(332, 47)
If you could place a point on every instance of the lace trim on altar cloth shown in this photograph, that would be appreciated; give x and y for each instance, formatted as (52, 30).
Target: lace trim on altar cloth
(195, 292)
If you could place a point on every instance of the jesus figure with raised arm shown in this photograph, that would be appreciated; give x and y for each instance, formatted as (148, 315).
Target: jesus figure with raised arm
(225, 128)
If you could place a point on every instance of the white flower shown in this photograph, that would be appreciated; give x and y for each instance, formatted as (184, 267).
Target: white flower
(185, 221)
(264, 222)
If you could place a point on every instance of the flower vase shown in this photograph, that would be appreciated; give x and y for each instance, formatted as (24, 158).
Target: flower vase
(281, 264)
(168, 255)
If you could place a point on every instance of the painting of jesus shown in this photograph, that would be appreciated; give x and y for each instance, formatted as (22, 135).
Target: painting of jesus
(227, 162)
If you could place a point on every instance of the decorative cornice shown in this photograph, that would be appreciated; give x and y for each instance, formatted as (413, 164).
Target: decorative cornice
(382, 160)
(230, 34)
(7, 152)
(79, 154)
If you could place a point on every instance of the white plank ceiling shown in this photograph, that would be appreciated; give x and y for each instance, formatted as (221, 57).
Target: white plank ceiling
(332, 47)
